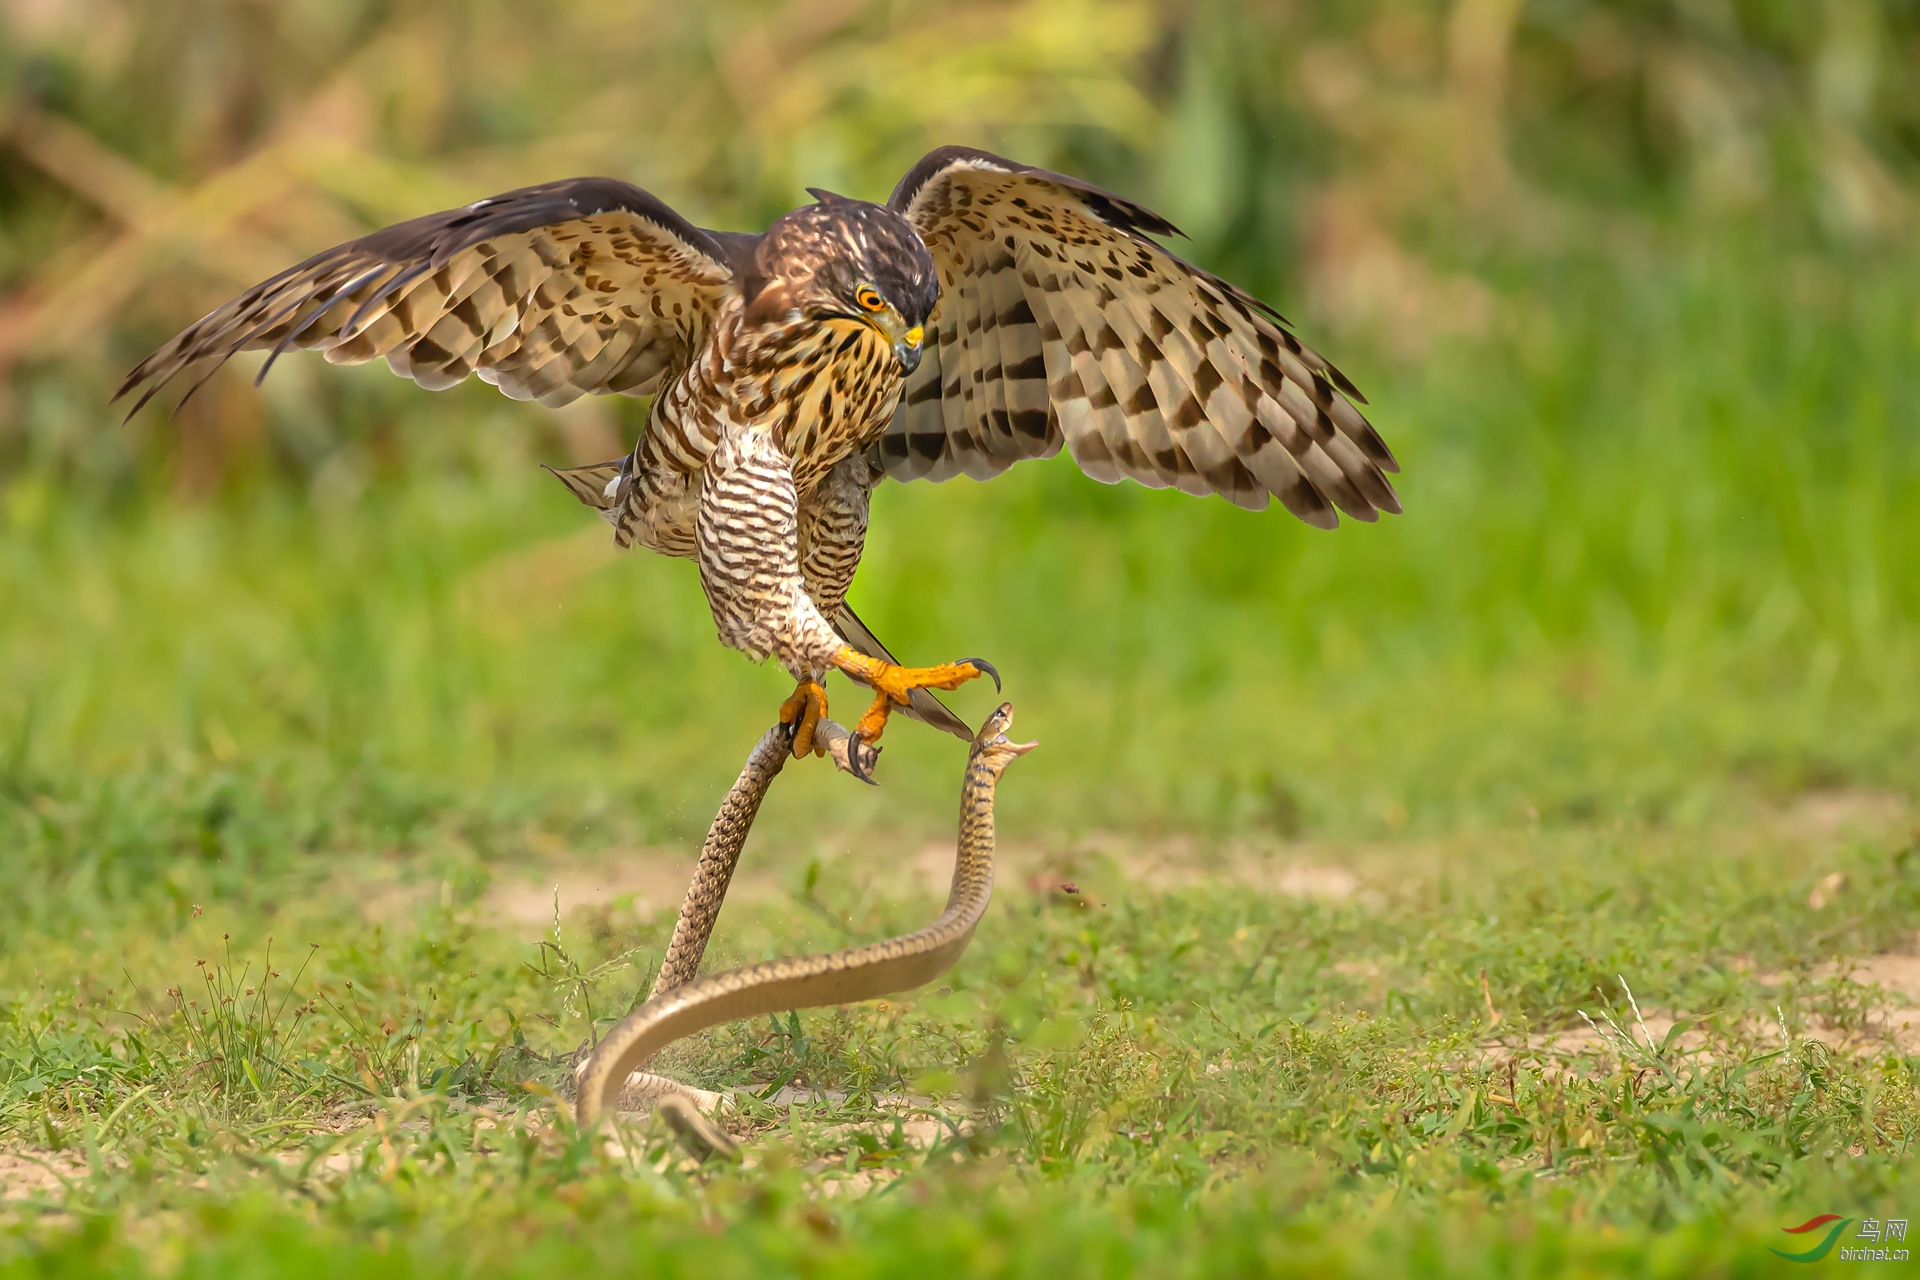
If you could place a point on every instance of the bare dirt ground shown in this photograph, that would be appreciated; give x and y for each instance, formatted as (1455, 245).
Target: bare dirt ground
(647, 882)
(1891, 1020)
(644, 882)
(35, 1175)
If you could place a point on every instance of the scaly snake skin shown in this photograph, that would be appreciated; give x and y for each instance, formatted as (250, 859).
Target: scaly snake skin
(718, 856)
(800, 982)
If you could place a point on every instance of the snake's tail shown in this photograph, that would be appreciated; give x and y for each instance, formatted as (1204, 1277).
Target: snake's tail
(699, 1135)
(685, 1111)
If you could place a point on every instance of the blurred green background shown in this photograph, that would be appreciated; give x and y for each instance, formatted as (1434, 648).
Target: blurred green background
(1631, 287)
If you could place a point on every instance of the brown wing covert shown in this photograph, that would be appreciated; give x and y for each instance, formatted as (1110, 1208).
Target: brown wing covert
(548, 292)
(1061, 321)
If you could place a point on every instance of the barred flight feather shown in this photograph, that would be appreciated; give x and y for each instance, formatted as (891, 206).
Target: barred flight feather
(549, 292)
(1154, 369)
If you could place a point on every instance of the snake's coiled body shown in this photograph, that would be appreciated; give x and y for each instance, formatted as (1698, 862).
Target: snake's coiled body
(802, 982)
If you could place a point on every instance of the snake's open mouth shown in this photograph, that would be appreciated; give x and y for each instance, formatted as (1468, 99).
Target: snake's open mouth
(993, 733)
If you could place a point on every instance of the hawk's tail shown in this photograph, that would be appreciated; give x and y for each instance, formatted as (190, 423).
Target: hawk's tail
(924, 707)
(597, 486)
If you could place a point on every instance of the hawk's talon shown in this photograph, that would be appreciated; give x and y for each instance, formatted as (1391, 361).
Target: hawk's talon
(802, 712)
(857, 749)
(894, 684)
(985, 666)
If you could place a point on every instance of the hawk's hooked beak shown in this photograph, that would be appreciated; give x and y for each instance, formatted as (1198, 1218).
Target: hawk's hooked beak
(907, 348)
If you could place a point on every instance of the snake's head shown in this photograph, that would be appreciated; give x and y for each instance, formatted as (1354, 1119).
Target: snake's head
(991, 743)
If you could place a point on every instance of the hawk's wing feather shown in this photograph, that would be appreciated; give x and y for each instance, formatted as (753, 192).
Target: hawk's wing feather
(548, 292)
(1061, 322)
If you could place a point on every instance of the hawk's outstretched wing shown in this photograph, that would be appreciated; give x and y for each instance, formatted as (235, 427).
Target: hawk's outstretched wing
(1061, 322)
(547, 292)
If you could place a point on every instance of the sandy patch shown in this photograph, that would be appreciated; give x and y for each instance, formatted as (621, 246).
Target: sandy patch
(1825, 817)
(1593, 1050)
(646, 883)
(1104, 864)
(1101, 865)
(651, 883)
(34, 1175)
(1595, 1046)
(1304, 880)
(1895, 972)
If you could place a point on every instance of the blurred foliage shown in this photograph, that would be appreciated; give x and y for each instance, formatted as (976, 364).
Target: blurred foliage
(1385, 159)
(1630, 284)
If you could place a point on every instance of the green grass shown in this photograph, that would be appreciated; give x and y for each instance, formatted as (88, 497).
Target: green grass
(1654, 583)
(1190, 1082)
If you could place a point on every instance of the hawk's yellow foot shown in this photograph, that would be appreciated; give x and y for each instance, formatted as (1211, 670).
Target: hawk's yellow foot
(894, 684)
(803, 710)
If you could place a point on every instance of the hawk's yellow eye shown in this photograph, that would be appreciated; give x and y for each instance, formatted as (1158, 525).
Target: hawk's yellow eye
(870, 298)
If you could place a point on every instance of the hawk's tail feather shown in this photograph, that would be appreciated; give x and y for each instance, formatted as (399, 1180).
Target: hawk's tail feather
(597, 486)
(924, 707)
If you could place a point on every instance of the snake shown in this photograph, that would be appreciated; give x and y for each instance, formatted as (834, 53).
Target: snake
(682, 1004)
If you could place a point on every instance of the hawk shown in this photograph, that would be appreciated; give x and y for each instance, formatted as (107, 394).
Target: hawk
(988, 312)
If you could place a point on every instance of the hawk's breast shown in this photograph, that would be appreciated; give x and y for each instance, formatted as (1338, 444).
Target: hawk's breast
(835, 392)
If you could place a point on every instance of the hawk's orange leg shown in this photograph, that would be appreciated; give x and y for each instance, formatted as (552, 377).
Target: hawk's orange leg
(803, 709)
(893, 684)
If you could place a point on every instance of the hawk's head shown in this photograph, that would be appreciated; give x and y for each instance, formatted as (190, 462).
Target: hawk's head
(846, 259)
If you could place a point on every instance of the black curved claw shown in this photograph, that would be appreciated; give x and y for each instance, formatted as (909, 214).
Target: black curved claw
(854, 764)
(985, 666)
